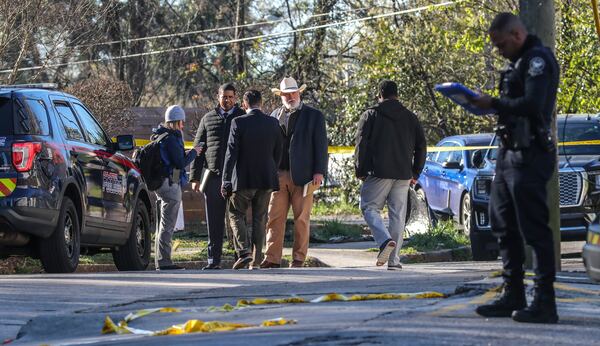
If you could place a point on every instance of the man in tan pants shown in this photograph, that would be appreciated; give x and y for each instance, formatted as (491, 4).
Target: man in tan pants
(303, 165)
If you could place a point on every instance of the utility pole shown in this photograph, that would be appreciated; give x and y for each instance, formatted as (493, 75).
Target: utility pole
(539, 18)
(238, 47)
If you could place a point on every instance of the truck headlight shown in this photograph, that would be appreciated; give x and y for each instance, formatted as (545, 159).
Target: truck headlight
(594, 178)
(482, 187)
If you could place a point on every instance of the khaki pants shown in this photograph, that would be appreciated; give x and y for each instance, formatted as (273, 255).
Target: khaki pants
(288, 194)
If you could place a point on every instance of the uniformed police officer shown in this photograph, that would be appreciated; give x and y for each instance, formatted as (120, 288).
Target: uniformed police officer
(525, 162)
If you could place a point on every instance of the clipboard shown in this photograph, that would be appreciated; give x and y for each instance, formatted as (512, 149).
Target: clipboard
(205, 176)
(460, 95)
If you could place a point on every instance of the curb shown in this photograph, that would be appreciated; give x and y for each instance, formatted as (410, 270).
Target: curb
(311, 262)
(462, 253)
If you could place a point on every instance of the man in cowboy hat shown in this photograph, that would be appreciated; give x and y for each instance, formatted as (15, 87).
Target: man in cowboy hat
(303, 165)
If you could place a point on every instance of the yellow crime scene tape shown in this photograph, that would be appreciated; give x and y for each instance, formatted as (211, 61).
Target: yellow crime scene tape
(331, 297)
(198, 326)
(190, 326)
(350, 149)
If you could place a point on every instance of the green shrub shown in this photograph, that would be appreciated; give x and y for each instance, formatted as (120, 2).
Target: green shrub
(443, 236)
(334, 228)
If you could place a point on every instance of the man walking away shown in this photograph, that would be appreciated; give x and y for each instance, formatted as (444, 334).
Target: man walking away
(250, 175)
(303, 165)
(390, 154)
(214, 132)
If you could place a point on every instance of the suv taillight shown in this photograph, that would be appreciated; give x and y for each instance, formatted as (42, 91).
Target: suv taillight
(23, 154)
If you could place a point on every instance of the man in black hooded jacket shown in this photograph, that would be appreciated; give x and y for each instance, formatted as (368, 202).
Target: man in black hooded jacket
(390, 154)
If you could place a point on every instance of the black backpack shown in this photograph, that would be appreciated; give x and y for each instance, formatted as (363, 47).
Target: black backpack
(148, 160)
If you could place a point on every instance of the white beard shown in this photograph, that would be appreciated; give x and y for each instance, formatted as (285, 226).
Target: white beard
(291, 106)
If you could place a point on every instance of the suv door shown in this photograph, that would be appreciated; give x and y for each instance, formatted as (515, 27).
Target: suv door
(114, 175)
(453, 179)
(87, 167)
(437, 188)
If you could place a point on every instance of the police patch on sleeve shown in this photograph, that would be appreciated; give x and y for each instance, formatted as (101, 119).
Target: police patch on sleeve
(536, 66)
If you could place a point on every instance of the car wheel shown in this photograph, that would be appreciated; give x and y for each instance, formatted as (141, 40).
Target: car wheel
(135, 253)
(60, 252)
(466, 214)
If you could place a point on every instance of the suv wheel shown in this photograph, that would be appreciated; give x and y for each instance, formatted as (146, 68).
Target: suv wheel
(465, 213)
(60, 252)
(135, 253)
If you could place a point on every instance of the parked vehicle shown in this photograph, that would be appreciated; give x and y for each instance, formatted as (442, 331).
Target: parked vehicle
(591, 252)
(65, 189)
(457, 184)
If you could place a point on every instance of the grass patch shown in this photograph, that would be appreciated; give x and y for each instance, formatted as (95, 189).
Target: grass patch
(322, 208)
(334, 228)
(443, 236)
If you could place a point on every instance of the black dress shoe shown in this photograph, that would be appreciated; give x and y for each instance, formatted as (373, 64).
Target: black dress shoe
(212, 266)
(171, 267)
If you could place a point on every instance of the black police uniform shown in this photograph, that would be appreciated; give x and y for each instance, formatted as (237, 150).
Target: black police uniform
(525, 162)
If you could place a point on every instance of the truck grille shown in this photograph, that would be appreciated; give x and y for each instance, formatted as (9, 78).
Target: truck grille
(571, 186)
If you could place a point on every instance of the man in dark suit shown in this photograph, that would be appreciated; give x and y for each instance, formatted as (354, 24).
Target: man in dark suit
(301, 171)
(250, 175)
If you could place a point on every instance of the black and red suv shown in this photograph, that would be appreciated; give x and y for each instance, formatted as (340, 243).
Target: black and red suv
(65, 189)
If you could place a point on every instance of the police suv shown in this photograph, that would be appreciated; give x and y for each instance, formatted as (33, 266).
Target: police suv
(65, 189)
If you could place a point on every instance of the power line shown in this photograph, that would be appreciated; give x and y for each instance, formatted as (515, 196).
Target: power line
(203, 31)
(226, 42)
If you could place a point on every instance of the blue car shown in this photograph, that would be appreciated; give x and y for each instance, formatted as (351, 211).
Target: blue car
(456, 184)
(447, 181)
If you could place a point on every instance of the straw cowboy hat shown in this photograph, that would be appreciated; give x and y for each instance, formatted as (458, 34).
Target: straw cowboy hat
(288, 85)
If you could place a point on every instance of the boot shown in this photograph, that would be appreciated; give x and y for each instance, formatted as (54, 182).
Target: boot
(512, 298)
(542, 308)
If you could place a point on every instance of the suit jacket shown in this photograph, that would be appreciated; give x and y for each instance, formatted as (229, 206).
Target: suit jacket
(308, 145)
(253, 152)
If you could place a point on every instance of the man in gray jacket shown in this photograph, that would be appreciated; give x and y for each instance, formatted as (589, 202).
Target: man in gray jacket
(389, 156)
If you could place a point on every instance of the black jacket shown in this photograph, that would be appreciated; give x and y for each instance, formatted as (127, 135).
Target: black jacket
(253, 152)
(213, 131)
(528, 86)
(307, 146)
(390, 143)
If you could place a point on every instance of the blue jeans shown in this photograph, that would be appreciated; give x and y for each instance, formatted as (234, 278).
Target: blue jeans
(374, 193)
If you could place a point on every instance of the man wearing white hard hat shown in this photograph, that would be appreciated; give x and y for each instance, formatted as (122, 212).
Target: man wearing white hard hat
(303, 165)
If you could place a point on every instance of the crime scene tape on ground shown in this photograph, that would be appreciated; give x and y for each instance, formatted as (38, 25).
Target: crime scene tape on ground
(190, 326)
(331, 297)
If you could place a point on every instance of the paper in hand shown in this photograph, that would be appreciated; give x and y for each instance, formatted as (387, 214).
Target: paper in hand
(460, 95)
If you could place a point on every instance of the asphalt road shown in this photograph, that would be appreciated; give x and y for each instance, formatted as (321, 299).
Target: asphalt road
(70, 309)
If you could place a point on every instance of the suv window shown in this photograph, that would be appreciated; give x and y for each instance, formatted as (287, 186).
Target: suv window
(94, 132)
(444, 155)
(6, 114)
(69, 121)
(455, 156)
(38, 117)
(571, 130)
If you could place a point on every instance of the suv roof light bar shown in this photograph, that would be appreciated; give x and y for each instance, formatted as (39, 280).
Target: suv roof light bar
(49, 86)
